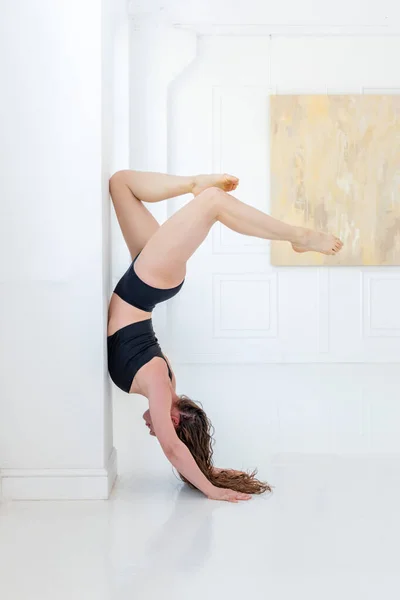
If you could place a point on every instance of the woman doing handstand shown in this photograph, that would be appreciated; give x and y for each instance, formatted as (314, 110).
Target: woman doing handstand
(159, 254)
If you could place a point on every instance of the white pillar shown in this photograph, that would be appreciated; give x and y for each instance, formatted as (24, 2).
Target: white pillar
(55, 408)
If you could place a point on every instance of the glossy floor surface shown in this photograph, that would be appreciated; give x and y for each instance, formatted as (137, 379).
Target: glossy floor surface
(329, 530)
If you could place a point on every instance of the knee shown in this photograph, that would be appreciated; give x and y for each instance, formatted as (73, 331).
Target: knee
(117, 183)
(212, 196)
(117, 179)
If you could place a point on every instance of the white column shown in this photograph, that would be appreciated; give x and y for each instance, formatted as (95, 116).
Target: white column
(55, 408)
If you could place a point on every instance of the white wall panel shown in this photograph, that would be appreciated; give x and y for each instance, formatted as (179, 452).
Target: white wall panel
(338, 64)
(381, 294)
(259, 411)
(257, 318)
(319, 311)
(237, 315)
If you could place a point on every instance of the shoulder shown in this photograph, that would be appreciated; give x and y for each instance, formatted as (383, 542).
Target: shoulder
(153, 375)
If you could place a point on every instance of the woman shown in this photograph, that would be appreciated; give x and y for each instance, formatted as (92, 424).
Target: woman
(159, 253)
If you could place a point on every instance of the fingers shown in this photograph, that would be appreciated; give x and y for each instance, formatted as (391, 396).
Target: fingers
(245, 497)
(239, 496)
(232, 496)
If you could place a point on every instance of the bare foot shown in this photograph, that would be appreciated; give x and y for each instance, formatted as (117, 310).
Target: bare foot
(226, 182)
(316, 241)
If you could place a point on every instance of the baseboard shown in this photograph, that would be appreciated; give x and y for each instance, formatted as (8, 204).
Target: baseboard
(59, 484)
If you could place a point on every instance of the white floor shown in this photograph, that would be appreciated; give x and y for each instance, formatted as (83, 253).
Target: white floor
(331, 529)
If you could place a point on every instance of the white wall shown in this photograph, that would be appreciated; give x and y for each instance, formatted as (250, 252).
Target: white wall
(285, 360)
(56, 123)
(303, 315)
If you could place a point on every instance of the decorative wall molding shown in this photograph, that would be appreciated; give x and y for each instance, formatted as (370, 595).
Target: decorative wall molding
(283, 30)
(323, 310)
(277, 357)
(270, 330)
(369, 282)
(372, 90)
(253, 18)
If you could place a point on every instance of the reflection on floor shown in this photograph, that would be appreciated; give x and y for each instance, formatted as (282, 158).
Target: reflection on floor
(329, 530)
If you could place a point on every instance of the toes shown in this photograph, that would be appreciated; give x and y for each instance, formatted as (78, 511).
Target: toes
(338, 245)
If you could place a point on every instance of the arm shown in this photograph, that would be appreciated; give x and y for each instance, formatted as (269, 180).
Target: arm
(160, 401)
(181, 458)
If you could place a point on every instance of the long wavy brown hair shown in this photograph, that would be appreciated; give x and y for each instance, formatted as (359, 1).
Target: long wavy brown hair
(195, 430)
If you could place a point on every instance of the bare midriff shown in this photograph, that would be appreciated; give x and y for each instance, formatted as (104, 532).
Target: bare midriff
(120, 314)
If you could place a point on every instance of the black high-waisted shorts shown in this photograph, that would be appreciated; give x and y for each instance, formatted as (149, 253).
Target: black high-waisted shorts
(129, 349)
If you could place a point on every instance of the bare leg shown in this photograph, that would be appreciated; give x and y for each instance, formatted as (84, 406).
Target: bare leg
(128, 188)
(166, 253)
(248, 220)
(154, 187)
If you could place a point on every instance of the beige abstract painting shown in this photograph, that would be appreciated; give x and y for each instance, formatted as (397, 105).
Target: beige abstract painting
(335, 167)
